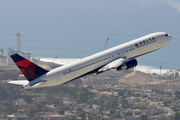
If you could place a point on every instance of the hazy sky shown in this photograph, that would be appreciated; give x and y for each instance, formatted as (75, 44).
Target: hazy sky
(81, 27)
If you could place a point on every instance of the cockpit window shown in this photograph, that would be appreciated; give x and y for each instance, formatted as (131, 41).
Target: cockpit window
(166, 35)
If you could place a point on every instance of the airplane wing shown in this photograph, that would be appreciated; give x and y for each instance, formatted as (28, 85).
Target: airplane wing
(36, 83)
(19, 82)
(112, 65)
(59, 61)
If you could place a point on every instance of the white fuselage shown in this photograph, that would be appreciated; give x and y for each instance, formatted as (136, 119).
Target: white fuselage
(91, 63)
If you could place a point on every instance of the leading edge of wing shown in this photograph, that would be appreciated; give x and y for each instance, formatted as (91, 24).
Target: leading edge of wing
(19, 82)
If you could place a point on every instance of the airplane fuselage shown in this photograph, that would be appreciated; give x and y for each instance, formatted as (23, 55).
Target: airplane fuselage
(93, 63)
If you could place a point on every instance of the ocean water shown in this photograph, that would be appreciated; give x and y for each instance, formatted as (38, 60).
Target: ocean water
(76, 29)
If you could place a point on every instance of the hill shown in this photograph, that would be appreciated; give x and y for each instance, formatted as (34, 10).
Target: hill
(138, 77)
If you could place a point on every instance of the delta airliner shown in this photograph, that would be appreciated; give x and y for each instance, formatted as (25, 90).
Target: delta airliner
(121, 57)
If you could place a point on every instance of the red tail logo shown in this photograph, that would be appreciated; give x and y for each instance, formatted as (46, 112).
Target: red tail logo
(29, 69)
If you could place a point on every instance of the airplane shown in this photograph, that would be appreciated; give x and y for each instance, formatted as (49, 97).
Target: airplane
(121, 57)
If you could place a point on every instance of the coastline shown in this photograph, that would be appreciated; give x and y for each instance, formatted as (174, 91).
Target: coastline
(153, 70)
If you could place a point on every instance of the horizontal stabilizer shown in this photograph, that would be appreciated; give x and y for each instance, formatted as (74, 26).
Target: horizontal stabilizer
(26, 83)
(19, 82)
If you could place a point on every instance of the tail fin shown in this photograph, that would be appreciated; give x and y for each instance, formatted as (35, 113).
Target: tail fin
(29, 69)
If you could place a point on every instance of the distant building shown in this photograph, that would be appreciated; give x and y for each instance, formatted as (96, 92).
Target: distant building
(12, 51)
(160, 97)
(176, 103)
(18, 41)
(153, 110)
(132, 118)
(19, 102)
(56, 117)
(21, 117)
(11, 117)
(132, 100)
(106, 93)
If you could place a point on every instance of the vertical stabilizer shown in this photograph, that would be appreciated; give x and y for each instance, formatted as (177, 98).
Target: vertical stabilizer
(30, 70)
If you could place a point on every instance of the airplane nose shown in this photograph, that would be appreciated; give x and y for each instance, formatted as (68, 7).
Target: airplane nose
(169, 37)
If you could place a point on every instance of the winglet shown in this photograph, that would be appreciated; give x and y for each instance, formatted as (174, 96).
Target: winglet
(30, 70)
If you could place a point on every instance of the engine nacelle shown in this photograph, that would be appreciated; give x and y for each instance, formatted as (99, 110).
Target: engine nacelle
(128, 64)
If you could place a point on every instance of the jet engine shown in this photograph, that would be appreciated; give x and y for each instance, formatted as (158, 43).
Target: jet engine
(128, 64)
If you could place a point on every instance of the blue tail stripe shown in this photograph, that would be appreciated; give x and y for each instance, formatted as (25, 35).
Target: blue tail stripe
(39, 71)
(16, 58)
